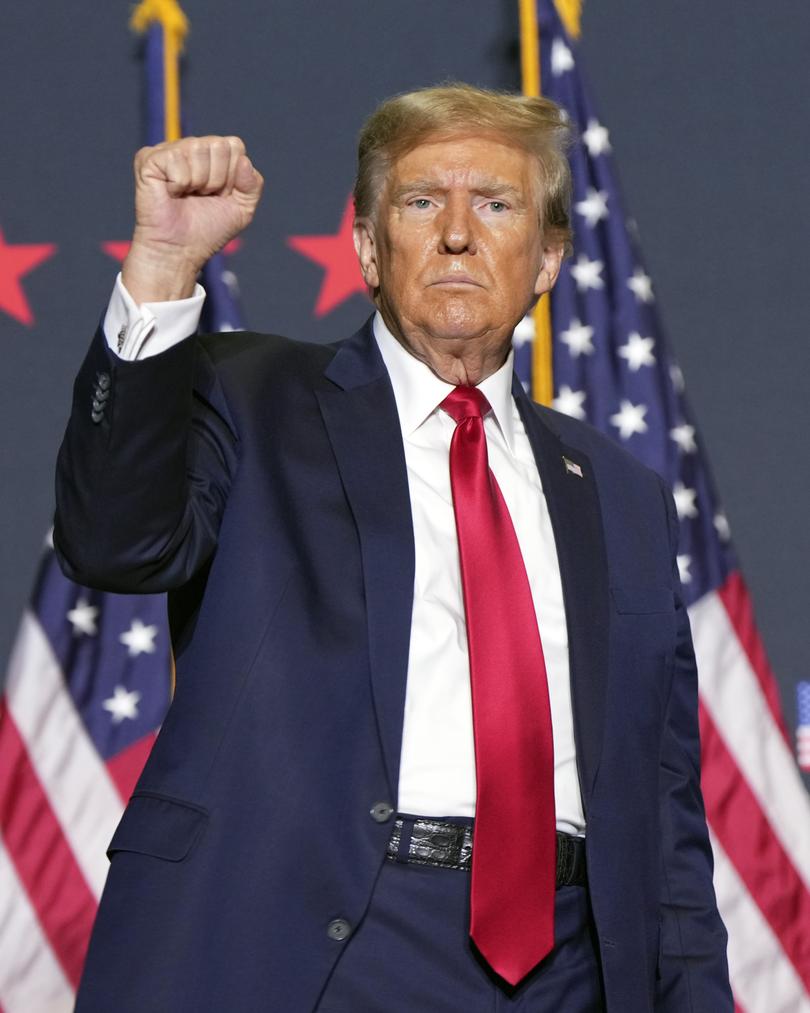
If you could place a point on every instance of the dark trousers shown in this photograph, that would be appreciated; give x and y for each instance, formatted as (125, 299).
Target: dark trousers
(412, 954)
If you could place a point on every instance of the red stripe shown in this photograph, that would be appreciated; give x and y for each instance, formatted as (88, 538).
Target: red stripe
(125, 768)
(44, 861)
(753, 848)
(734, 596)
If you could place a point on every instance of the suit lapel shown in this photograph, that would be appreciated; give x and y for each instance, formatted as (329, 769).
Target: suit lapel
(573, 506)
(360, 416)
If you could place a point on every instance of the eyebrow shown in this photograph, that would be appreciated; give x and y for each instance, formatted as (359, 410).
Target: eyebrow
(487, 186)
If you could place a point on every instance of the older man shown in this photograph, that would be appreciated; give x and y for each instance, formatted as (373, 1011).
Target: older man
(434, 741)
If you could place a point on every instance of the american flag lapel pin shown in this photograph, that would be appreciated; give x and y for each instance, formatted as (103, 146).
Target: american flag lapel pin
(572, 468)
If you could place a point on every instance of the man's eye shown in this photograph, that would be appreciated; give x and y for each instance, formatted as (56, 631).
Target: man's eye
(422, 203)
(497, 206)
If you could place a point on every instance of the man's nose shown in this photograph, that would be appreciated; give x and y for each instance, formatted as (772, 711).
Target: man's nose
(457, 228)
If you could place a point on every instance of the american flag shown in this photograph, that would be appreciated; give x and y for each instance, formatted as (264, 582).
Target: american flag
(613, 367)
(88, 685)
(803, 725)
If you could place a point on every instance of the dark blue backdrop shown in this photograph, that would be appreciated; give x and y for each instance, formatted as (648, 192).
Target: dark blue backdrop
(707, 112)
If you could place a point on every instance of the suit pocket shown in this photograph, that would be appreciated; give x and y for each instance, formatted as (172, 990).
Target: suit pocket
(643, 600)
(158, 826)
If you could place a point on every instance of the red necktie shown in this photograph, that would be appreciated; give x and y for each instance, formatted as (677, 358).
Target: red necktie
(514, 857)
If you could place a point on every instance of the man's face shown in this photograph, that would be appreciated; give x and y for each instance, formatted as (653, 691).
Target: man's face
(456, 252)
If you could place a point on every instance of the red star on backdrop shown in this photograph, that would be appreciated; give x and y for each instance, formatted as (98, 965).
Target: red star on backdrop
(336, 256)
(118, 249)
(16, 260)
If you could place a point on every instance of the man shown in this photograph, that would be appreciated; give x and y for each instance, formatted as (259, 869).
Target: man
(401, 597)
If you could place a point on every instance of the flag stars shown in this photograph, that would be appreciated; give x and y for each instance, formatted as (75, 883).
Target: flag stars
(594, 208)
(684, 436)
(641, 286)
(596, 138)
(578, 338)
(139, 639)
(684, 562)
(676, 376)
(722, 527)
(122, 705)
(562, 59)
(524, 332)
(82, 618)
(570, 402)
(684, 501)
(629, 419)
(587, 273)
(638, 352)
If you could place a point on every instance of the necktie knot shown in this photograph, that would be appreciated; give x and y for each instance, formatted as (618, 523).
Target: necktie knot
(465, 403)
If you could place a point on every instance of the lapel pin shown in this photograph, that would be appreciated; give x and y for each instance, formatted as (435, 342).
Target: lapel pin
(571, 468)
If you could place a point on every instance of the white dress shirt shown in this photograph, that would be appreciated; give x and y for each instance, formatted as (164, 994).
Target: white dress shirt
(437, 768)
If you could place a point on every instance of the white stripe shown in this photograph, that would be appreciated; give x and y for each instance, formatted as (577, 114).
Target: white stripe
(72, 773)
(31, 980)
(762, 977)
(734, 699)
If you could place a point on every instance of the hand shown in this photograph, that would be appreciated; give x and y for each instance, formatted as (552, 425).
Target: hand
(191, 197)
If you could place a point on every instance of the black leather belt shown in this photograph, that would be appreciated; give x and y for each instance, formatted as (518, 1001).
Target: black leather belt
(449, 846)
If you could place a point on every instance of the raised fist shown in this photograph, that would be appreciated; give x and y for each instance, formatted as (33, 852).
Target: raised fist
(191, 197)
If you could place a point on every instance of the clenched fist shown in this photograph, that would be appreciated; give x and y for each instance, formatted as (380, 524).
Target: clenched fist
(191, 197)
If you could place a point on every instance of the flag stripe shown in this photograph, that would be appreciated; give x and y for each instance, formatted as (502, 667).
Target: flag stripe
(73, 774)
(733, 697)
(126, 767)
(730, 805)
(737, 602)
(31, 980)
(44, 862)
(761, 975)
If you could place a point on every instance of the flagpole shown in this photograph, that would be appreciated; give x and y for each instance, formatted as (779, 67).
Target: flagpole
(542, 368)
(173, 22)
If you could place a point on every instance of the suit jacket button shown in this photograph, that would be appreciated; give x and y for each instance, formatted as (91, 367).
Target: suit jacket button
(103, 380)
(97, 416)
(381, 812)
(339, 929)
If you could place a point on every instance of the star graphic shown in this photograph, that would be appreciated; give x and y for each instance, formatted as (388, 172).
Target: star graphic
(15, 262)
(596, 138)
(562, 58)
(587, 273)
(139, 639)
(684, 436)
(524, 332)
(638, 352)
(629, 419)
(594, 208)
(122, 704)
(684, 562)
(684, 500)
(82, 618)
(641, 286)
(578, 338)
(570, 402)
(335, 253)
(722, 527)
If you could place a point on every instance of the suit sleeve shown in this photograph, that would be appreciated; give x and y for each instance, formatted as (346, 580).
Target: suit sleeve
(692, 972)
(144, 470)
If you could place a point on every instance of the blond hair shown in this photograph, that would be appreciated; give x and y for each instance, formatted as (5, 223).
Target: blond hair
(403, 122)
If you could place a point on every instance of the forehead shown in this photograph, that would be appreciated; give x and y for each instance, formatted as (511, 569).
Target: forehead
(466, 160)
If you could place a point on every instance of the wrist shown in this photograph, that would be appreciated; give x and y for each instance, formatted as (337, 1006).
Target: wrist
(158, 274)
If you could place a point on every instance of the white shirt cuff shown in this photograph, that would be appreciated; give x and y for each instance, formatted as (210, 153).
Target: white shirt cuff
(137, 332)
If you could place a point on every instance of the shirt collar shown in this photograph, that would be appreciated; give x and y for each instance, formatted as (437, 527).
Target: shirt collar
(418, 391)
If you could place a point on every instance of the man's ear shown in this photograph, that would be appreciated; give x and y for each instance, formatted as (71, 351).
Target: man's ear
(549, 268)
(366, 248)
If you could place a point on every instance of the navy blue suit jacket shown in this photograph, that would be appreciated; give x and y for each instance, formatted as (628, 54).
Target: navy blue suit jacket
(262, 482)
